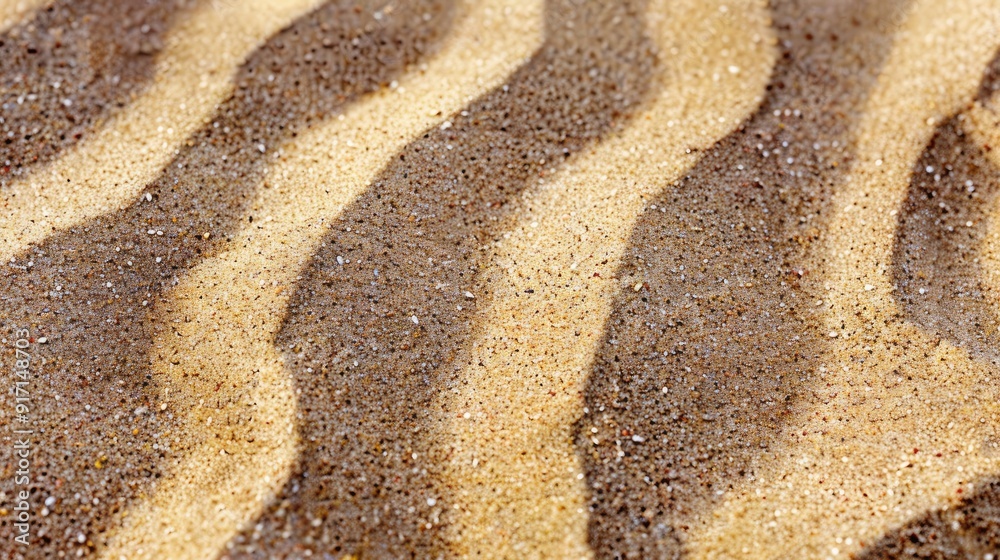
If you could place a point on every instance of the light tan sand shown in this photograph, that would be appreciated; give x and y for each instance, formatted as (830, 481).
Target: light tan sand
(872, 478)
(509, 424)
(194, 74)
(638, 279)
(251, 286)
(13, 11)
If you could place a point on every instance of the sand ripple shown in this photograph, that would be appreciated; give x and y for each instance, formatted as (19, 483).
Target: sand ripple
(454, 279)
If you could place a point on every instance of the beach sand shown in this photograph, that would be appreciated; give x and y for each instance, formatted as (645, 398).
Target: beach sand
(498, 279)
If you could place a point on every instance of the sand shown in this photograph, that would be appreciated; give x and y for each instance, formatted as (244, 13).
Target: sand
(539, 279)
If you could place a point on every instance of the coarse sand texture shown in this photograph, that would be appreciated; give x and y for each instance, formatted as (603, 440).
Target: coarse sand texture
(356, 279)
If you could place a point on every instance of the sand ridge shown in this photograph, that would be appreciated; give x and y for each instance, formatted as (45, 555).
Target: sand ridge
(250, 291)
(888, 387)
(508, 424)
(700, 359)
(117, 266)
(128, 150)
(438, 278)
(392, 327)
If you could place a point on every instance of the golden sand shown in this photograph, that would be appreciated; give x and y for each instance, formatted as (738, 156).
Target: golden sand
(511, 418)
(12, 11)
(251, 285)
(875, 437)
(493, 279)
(194, 73)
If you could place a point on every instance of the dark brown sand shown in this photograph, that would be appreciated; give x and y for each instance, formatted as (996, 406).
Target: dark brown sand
(703, 363)
(71, 66)
(943, 230)
(577, 316)
(95, 290)
(969, 529)
(366, 480)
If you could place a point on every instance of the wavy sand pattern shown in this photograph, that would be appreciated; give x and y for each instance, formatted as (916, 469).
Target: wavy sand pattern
(102, 52)
(128, 150)
(504, 279)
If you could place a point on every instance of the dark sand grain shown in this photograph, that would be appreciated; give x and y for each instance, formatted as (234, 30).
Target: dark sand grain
(667, 278)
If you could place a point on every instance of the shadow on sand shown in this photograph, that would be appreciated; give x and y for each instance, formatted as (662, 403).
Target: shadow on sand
(71, 66)
(97, 291)
(376, 324)
(969, 529)
(699, 368)
(937, 250)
